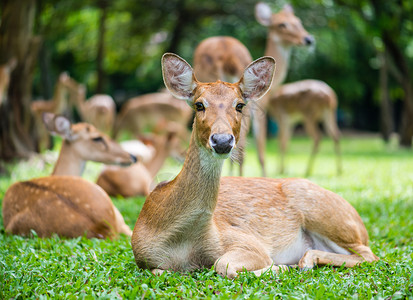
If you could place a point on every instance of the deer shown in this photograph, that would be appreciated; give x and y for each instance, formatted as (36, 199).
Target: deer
(238, 224)
(5, 73)
(224, 58)
(57, 105)
(99, 110)
(146, 112)
(64, 203)
(136, 180)
(307, 101)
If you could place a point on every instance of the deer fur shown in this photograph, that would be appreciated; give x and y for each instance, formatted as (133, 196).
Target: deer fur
(68, 206)
(238, 224)
(305, 101)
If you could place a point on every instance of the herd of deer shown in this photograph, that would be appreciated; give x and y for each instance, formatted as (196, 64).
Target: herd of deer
(199, 219)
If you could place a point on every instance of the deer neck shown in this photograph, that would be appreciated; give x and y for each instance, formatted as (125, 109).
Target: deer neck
(155, 164)
(68, 162)
(281, 52)
(191, 196)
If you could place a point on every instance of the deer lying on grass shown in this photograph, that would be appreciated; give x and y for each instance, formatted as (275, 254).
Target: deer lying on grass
(238, 224)
(307, 101)
(136, 179)
(224, 58)
(68, 206)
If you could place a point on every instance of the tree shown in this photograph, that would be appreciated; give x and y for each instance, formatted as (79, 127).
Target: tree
(17, 40)
(390, 21)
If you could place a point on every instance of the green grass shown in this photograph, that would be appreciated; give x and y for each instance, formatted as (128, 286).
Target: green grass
(377, 181)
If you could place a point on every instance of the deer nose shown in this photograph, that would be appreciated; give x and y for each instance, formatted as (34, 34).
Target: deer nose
(133, 158)
(222, 143)
(308, 40)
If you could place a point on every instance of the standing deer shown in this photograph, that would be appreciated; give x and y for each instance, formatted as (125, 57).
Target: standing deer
(136, 179)
(224, 58)
(64, 203)
(146, 112)
(308, 101)
(57, 105)
(99, 110)
(234, 223)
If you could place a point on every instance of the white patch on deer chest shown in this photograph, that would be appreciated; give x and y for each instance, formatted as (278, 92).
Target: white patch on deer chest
(178, 256)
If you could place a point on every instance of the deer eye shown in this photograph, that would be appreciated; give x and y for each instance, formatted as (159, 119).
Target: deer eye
(282, 25)
(239, 107)
(98, 139)
(199, 106)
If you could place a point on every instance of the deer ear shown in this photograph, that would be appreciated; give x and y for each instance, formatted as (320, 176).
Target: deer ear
(58, 125)
(263, 13)
(288, 8)
(178, 76)
(257, 78)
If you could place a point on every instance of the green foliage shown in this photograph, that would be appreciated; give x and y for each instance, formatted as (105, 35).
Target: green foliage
(377, 181)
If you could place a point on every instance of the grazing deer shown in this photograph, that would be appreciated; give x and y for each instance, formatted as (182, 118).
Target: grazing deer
(224, 58)
(234, 223)
(136, 179)
(5, 74)
(146, 112)
(68, 205)
(307, 101)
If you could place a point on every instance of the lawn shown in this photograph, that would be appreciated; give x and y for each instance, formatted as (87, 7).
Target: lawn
(377, 180)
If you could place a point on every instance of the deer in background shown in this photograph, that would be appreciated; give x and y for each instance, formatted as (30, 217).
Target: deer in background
(136, 179)
(225, 58)
(57, 105)
(64, 203)
(99, 110)
(5, 74)
(146, 112)
(307, 101)
(238, 224)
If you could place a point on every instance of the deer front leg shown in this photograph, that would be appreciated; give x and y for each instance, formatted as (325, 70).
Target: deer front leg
(285, 131)
(157, 272)
(313, 131)
(235, 261)
(259, 125)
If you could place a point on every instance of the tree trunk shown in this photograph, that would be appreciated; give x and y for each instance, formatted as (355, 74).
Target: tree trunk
(101, 46)
(387, 122)
(177, 33)
(404, 79)
(17, 40)
(406, 128)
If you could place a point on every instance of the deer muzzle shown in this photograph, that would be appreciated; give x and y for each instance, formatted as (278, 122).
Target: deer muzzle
(222, 143)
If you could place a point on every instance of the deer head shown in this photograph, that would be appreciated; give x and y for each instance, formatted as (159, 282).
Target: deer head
(218, 106)
(284, 26)
(86, 142)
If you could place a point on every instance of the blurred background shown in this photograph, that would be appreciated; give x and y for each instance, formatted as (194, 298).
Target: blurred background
(364, 50)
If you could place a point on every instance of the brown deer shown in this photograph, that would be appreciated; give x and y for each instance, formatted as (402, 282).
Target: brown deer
(65, 205)
(136, 179)
(5, 73)
(144, 113)
(57, 105)
(224, 58)
(234, 223)
(99, 110)
(307, 101)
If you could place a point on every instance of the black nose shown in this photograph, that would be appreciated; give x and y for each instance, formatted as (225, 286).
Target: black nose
(133, 158)
(309, 40)
(222, 143)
